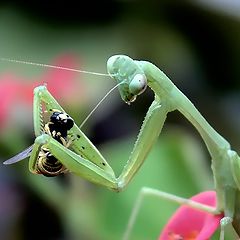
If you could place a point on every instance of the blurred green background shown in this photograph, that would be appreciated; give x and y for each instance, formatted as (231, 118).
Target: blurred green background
(196, 43)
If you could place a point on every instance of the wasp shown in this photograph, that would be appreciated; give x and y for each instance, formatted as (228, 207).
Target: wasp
(57, 127)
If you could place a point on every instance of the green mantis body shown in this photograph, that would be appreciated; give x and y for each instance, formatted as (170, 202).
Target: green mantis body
(225, 162)
(82, 158)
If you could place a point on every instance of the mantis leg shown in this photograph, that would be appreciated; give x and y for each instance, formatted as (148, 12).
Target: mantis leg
(72, 161)
(41, 95)
(149, 132)
(225, 221)
(79, 158)
(79, 142)
(150, 192)
(82, 158)
(34, 157)
(85, 168)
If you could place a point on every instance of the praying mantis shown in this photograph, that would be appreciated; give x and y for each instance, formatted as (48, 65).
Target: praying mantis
(82, 158)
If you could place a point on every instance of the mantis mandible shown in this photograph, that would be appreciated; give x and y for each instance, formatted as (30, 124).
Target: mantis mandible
(82, 158)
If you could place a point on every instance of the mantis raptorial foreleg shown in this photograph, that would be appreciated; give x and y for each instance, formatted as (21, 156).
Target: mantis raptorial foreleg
(82, 158)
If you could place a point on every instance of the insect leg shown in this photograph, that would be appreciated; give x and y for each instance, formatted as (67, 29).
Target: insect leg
(75, 163)
(145, 191)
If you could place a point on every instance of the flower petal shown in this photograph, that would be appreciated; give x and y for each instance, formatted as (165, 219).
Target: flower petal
(187, 222)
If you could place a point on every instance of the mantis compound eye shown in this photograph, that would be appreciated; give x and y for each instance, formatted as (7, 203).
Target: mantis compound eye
(138, 84)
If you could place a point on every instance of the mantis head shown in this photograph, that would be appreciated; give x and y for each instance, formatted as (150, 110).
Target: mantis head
(130, 77)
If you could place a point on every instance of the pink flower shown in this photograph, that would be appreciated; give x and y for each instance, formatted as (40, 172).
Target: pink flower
(192, 224)
(9, 90)
(17, 93)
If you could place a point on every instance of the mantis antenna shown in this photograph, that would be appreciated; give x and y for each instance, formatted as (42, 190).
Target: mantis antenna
(89, 115)
(52, 66)
(68, 69)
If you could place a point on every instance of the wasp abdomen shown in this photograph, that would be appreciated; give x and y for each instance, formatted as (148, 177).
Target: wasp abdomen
(48, 165)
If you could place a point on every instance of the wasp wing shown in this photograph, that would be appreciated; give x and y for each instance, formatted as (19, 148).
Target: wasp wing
(20, 156)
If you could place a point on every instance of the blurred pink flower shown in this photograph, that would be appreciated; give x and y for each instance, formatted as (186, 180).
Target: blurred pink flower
(15, 91)
(192, 224)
